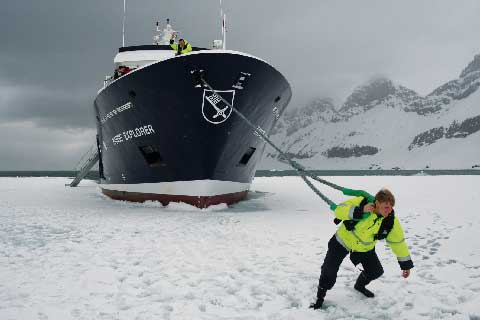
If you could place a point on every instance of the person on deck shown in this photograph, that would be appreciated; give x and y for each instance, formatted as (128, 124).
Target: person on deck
(364, 223)
(122, 70)
(182, 47)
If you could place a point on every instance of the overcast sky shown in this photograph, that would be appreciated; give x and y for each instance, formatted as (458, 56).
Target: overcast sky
(54, 55)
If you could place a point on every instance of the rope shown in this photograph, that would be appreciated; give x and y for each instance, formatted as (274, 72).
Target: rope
(300, 169)
(330, 184)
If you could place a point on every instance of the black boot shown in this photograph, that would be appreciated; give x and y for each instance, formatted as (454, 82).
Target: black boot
(362, 281)
(320, 297)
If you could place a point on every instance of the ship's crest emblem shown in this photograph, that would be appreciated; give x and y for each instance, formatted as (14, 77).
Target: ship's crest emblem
(214, 109)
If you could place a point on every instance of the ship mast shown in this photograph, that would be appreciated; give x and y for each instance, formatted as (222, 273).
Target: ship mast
(223, 17)
(123, 25)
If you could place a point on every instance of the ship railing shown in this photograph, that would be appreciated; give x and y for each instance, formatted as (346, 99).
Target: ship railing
(108, 79)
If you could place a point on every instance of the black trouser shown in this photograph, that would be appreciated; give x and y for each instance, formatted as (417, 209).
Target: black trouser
(372, 268)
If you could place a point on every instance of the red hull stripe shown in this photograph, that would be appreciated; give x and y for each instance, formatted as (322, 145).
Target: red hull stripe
(165, 199)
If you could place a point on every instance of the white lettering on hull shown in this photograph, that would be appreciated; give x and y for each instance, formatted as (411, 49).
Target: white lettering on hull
(133, 133)
(116, 111)
(276, 112)
(259, 132)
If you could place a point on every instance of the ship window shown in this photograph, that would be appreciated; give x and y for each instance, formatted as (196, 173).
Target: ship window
(152, 155)
(246, 157)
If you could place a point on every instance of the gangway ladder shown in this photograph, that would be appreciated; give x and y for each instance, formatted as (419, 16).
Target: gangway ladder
(92, 159)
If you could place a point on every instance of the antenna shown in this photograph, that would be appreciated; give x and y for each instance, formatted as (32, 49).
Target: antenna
(221, 13)
(224, 29)
(123, 25)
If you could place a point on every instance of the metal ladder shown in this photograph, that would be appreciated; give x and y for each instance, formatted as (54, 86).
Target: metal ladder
(92, 157)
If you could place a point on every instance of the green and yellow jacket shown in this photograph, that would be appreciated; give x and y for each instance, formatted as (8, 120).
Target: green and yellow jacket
(364, 232)
(181, 50)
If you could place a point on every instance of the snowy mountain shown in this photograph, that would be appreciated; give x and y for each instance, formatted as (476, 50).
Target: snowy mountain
(383, 125)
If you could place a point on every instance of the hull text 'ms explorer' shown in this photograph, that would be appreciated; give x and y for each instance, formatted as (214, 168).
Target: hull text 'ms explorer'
(164, 135)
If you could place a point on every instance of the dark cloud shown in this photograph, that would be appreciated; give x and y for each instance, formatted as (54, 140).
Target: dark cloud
(29, 147)
(47, 107)
(54, 54)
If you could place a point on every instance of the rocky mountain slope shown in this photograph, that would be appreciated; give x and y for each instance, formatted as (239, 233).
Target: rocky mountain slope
(386, 125)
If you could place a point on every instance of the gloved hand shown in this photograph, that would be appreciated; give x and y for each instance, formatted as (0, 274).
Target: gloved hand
(360, 213)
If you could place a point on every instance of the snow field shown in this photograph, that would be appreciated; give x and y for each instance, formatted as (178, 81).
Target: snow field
(71, 253)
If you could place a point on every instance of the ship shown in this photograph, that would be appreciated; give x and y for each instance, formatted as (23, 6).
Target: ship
(166, 130)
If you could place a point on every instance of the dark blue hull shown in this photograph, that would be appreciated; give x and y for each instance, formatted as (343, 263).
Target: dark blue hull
(158, 125)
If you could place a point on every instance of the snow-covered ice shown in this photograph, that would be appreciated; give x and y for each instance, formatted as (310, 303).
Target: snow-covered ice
(71, 253)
